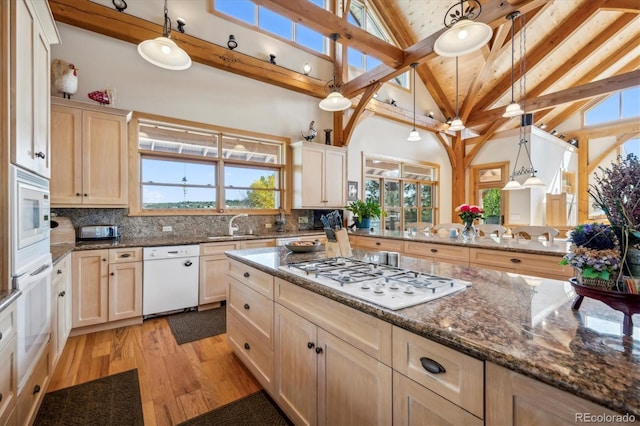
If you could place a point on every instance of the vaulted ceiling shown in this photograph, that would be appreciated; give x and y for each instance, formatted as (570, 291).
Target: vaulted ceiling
(570, 53)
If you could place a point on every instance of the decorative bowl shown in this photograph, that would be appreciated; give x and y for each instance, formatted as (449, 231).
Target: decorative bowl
(304, 246)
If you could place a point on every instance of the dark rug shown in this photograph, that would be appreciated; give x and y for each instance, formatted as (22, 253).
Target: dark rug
(254, 409)
(109, 401)
(189, 326)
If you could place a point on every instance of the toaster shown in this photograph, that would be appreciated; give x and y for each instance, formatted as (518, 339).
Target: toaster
(98, 232)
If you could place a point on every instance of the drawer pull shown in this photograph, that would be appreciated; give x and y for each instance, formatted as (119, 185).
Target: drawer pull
(36, 389)
(0, 335)
(432, 366)
(515, 260)
(62, 293)
(0, 396)
(318, 350)
(59, 271)
(246, 275)
(310, 345)
(246, 346)
(125, 255)
(434, 250)
(246, 306)
(377, 243)
(40, 155)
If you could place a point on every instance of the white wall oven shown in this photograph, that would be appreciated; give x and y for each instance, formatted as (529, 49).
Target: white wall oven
(30, 219)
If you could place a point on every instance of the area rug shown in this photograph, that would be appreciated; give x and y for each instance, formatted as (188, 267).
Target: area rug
(189, 326)
(110, 401)
(254, 409)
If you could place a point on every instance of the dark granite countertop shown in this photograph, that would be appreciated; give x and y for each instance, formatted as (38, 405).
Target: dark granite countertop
(558, 248)
(520, 322)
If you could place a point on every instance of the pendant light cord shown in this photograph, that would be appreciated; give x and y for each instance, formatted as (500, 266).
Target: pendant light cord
(166, 30)
(457, 116)
(414, 65)
(513, 24)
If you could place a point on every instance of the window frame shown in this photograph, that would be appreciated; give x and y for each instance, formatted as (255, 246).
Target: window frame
(135, 166)
(600, 101)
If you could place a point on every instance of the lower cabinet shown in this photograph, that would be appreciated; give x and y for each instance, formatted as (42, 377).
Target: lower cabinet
(61, 307)
(537, 265)
(457, 255)
(35, 387)
(8, 366)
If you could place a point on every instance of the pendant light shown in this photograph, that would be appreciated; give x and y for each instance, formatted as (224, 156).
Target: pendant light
(513, 109)
(334, 100)
(456, 124)
(463, 35)
(414, 136)
(164, 52)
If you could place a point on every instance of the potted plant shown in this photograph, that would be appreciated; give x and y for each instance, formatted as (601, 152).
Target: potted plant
(491, 206)
(364, 211)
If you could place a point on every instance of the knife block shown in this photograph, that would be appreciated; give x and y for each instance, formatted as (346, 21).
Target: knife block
(341, 247)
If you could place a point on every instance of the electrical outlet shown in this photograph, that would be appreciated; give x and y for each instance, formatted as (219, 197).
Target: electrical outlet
(167, 229)
(267, 225)
(303, 220)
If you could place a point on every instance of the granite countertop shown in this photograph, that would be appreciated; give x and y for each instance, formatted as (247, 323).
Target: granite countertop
(560, 246)
(520, 322)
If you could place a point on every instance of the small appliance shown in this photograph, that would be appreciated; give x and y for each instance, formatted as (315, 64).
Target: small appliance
(98, 232)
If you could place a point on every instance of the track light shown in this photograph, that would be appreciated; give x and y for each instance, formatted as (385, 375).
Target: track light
(554, 132)
(430, 115)
(232, 43)
(543, 126)
(272, 59)
(562, 136)
(306, 69)
(181, 23)
(120, 5)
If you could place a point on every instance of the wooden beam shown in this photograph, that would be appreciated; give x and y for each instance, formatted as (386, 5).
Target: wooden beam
(482, 139)
(458, 193)
(107, 21)
(405, 116)
(318, 19)
(585, 91)
(355, 117)
(619, 141)
(630, 125)
(444, 141)
(583, 180)
(629, 6)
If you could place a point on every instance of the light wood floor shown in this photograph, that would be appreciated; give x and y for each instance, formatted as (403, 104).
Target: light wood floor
(177, 382)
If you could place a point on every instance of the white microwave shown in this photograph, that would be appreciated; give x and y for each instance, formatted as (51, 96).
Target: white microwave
(30, 219)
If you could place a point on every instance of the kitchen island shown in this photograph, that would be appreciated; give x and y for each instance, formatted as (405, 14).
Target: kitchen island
(516, 323)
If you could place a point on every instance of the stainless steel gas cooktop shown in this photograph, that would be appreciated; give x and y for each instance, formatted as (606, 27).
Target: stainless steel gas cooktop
(387, 286)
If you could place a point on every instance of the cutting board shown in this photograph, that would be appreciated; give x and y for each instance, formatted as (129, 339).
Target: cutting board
(62, 231)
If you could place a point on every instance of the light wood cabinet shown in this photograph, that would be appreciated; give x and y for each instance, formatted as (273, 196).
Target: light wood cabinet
(319, 175)
(457, 255)
(32, 32)
(376, 243)
(102, 291)
(33, 391)
(251, 244)
(8, 363)
(514, 399)
(313, 359)
(214, 268)
(61, 307)
(520, 263)
(89, 148)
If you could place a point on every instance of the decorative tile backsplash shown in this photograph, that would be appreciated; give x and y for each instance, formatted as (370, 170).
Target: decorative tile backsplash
(152, 226)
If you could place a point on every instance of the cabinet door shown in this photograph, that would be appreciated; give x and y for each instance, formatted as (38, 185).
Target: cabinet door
(296, 359)
(213, 282)
(41, 109)
(66, 154)
(8, 380)
(335, 176)
(125, 290)
(104, 159)
(90, 287)
(313, 166)
(353, 388)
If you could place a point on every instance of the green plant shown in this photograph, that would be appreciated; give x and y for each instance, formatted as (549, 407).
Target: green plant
(491, 202)
(365, 209)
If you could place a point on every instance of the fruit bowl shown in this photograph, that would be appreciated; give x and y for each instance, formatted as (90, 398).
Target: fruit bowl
(304, 246)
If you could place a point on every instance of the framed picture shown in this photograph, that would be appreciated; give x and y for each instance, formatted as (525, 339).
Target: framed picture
(352, 188)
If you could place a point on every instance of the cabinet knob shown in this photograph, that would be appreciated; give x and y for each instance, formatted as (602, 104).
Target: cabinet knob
(246, 306)
(113, 273)
(246, 346)
(86, 194)
(434, 250)
(62, 293)
(515, 260)
(77, 194)
(36, 389)
(59, 271)
(104, 259)
(246, 275)
(377, 243)
(310, 345)
(432, 366)
(40, 155)
(318, 350)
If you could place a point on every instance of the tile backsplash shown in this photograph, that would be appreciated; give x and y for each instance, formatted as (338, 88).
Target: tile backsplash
(152, 226)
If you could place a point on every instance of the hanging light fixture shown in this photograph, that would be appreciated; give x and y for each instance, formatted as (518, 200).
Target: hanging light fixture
(334, 100)
(513, 109)
(164, 52)
(463, 35)
(414, 136)
(456, 124)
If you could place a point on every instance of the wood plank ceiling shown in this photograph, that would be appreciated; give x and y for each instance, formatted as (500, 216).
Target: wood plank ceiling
(568, 53)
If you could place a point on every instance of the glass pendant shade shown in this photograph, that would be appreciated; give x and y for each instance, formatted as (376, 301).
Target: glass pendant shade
(414, 136)
(456, 124)
(335, 102)
(164, 53)
(464, 37)
(513, 110)
(533, 182)
(512, 185)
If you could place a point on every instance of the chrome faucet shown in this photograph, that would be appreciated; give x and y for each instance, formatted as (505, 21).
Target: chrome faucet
(232, 228)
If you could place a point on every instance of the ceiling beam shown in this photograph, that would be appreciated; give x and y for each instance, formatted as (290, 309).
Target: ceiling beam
(576, 93)
(323, 21)
(359, 109)
(620, 127)
(107, 21)
(629, 6)
(619, 141)
(405, 116)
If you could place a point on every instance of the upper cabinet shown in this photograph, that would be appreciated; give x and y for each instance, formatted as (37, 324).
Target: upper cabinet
(32, 31)
(319, 176)
(89, 150)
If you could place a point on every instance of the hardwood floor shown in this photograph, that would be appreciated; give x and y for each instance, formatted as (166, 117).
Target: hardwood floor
(177, 382)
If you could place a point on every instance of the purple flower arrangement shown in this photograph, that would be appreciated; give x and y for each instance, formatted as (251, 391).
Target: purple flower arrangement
(594, 251)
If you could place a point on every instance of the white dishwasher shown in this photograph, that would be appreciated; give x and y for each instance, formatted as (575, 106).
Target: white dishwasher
(170, 278)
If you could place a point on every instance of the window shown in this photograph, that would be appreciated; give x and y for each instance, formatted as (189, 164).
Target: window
(273, 23)
(486, 182)
(197, 169)
(405, 191)
(617, 106)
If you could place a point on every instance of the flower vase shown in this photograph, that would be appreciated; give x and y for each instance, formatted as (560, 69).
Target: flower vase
(468, 232)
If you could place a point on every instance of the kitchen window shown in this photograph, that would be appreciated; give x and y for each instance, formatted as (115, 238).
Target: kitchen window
(193, 168)
(405, 191)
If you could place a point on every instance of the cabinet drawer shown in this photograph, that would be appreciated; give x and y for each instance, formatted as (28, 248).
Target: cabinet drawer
(251, 244)
(370, 335)
(439, 252)
(218, 248)
(380, 244)
(522, 263)
(123, 255)
(462, 382)
(7, 324)
(416, 405)
(253, 309)
(256, 356)
(8, 380)
(252, 277)
(34, 389)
